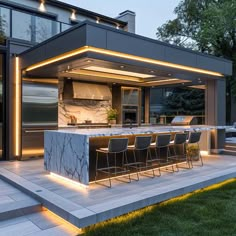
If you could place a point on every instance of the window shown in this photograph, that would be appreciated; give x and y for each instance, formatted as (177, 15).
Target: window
(5, 21)
(22, 26)
(65, 27)
(45, 29)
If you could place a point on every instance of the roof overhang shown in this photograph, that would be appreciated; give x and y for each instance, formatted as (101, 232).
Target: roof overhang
(90, 45)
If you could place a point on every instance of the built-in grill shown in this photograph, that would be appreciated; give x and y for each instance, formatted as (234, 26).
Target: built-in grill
(184, 120)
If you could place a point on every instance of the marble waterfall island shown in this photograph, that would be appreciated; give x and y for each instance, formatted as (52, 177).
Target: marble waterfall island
(66, 154)
(71, 152)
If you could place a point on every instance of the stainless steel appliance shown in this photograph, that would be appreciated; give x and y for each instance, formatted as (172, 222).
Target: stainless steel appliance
(130, 114)
(39, 113)
(184, 120)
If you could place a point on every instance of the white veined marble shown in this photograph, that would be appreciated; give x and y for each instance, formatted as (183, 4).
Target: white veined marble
(67, 155)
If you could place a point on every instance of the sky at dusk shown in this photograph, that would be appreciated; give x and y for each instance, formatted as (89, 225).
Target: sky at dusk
(149, 13)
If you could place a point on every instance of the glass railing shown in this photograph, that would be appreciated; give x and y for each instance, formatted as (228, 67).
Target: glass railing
(28, 27)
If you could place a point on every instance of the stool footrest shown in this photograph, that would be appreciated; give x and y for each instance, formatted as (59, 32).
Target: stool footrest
(113, 170)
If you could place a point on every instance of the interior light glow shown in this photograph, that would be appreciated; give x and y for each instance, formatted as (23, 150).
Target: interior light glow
(17, 107)
(105, 75)
(121, 55)
(42, 7)
(118, 72)
(163, 80)
(204, 153)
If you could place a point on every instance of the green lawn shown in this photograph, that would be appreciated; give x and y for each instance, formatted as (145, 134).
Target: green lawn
(211, 211)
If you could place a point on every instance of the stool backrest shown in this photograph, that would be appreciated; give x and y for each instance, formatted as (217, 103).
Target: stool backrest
(163, 140)
(194, 137)
(118, 145)
(180, 138)
(142, 142)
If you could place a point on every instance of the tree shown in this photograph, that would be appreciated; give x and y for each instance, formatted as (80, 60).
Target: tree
(184, 101)
(207, 26)
(2, 32)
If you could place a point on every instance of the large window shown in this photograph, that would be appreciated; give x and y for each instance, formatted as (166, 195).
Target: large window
(29, 27)
(5, 21)
(22, 26)
(45, 29)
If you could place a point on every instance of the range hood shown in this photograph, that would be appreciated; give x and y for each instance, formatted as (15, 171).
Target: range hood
(91, 91)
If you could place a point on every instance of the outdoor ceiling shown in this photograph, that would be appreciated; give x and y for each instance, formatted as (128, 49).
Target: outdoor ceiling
(104, 71)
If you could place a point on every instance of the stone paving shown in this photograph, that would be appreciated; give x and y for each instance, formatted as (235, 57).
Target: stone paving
(85, 206)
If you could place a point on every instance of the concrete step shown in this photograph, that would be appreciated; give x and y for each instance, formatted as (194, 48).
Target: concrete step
(19, 208)
(229, 152)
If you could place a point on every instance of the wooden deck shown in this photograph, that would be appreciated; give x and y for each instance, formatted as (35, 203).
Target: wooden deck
(85, 206)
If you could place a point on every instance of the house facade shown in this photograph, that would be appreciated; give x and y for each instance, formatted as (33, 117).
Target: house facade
(59, 61)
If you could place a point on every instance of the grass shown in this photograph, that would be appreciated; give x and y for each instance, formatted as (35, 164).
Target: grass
(210, 211)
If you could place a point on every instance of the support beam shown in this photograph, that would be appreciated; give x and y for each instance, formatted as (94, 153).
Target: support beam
(215, 102)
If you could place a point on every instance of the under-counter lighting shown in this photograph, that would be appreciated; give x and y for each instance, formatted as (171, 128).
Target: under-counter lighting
(42, 7)
(118, 72)
(67, 180)
(121, 55)
(36, 151)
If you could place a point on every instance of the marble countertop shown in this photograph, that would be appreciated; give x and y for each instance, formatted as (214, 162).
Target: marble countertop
(116, 131)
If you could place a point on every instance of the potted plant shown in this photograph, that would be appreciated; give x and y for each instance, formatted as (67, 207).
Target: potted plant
(193, 152)
(112, 115)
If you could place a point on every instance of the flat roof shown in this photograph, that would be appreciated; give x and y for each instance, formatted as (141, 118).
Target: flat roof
(107, 38)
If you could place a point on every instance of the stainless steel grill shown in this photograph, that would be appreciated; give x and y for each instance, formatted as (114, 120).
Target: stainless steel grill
(184, 120)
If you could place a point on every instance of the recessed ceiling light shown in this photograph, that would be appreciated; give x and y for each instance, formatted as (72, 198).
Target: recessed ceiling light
(89, 61)
(122, 67)
(151, 71)
(169, 74)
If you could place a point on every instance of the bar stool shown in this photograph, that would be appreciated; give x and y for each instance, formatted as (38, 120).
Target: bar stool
(179, 142)
(141, 144)
(162, 142)
(194, 138)
(115, 146)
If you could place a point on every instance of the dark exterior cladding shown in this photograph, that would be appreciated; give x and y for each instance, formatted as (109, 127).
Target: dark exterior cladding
(104, 37)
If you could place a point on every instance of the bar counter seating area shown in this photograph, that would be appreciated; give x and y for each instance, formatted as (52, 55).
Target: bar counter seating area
(98, 155)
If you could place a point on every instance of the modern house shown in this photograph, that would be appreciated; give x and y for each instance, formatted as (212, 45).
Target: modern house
(60, 61)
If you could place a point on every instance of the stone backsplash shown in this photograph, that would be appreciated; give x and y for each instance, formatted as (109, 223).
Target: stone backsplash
(83, 110)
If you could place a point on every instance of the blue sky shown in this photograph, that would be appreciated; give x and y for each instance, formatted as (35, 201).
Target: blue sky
(149, 13)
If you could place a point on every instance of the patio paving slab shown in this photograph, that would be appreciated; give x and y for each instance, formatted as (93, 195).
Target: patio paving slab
(85, 206)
